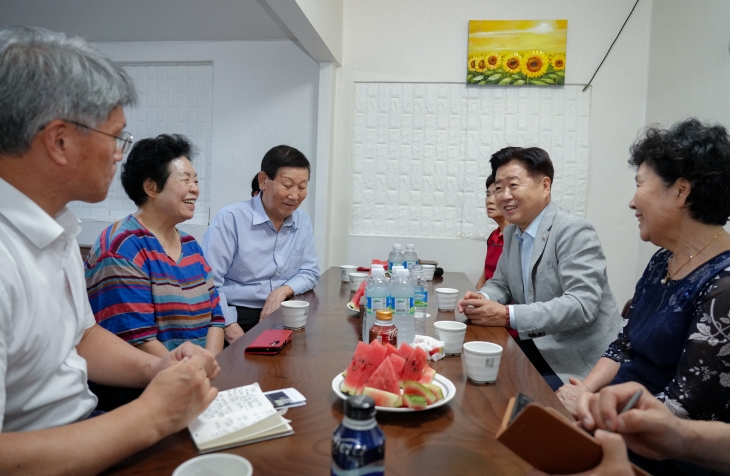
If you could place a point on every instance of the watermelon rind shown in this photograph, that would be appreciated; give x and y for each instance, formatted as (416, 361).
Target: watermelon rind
(436, 390)
(382, 398)
(411, 387)
(415, 402)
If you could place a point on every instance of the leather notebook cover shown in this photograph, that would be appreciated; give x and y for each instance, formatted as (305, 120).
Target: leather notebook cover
(549, 441)
(270, 342)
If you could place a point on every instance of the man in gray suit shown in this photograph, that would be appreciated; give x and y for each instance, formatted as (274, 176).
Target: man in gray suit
(550, 284)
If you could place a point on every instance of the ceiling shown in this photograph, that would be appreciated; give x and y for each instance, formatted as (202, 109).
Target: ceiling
(149, 20)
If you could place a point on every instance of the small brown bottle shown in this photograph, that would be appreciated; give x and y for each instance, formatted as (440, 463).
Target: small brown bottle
(383, 330)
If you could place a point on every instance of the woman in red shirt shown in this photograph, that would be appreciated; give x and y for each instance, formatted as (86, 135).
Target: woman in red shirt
(495, 242)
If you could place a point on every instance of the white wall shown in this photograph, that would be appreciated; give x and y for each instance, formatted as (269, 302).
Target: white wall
(426, 41)
(265, 93)
(689, 68)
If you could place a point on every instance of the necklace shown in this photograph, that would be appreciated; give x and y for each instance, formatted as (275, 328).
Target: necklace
(669, 276)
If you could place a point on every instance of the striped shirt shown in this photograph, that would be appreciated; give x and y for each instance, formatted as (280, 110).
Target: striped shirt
(139, 293)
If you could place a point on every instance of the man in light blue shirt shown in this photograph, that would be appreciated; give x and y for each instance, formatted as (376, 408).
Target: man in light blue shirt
(550, 284)
(262, 250)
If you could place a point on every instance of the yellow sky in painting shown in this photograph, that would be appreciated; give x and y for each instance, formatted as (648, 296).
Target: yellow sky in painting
(549, 36)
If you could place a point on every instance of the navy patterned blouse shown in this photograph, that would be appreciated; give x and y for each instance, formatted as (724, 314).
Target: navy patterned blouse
(676, 340)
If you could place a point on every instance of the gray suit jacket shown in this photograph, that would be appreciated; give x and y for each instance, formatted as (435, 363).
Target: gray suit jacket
(568, 308)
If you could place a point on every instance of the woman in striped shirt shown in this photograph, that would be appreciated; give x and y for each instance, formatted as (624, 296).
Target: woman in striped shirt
(147, 281)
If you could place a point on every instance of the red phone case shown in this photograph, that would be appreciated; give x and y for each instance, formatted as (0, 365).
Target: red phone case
(270, 342)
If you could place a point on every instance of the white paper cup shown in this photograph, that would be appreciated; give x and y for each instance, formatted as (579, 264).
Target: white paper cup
(295, 313)
(345, 271)
(428, 270)
(452, 334)
(446, 298)
(356, 279)
(482, 361)
(218, 464)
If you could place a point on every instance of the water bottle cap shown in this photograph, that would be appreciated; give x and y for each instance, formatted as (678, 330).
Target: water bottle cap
(396, 247)
(360, 407)
(378, 272)
(410, 247)
(375, 266)
(401, 272)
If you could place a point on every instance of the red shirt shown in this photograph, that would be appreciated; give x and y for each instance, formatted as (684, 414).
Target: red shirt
(495, 243)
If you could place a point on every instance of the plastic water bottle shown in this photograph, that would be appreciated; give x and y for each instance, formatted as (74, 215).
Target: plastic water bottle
(377, 296)
(410, 257)
(395, 257)
(402, 296)
(420, 299)
(358, 444)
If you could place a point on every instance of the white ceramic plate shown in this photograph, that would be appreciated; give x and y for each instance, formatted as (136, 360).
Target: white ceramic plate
(446, 386)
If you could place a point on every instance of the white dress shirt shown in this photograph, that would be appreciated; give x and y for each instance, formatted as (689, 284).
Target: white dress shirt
(44, 311)
(526, 240)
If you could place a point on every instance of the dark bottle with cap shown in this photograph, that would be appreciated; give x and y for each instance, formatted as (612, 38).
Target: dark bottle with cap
(358, 444)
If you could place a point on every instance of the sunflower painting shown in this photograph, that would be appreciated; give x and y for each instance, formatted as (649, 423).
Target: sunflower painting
(517, 52)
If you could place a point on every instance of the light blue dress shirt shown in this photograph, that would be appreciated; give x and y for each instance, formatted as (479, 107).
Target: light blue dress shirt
(250, 258)
(526, 240)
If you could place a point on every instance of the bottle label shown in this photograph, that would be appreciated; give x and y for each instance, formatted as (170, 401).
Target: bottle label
(403, 305)
(375, 469)
(375, 303)
(358, 453)
(390, 266)
(421, 298)
(410, 264)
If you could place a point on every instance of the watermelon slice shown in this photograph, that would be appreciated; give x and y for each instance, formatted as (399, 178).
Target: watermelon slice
(414, 388)
(390, 350)
(414, 366)
(416, 402)
(436, 390)
(405, 350)
(374, 355)
(383, 398)
(355, 369)
(384, 378)
(398, 363)
(427, 375)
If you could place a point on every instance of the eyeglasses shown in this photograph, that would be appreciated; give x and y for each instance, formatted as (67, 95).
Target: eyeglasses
(124, 141)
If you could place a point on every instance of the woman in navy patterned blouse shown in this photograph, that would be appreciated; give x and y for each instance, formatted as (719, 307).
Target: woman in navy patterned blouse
(676, 340)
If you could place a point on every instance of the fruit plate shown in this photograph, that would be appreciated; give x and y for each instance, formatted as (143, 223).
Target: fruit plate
(446, 386)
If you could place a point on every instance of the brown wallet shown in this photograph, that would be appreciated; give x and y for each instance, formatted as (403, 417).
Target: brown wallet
(549, 441)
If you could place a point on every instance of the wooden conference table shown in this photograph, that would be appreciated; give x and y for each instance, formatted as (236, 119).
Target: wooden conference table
(457, 438)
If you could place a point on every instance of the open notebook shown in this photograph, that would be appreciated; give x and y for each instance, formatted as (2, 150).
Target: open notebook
(239, 416)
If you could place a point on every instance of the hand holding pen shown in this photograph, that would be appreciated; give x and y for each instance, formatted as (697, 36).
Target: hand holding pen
(646, 424)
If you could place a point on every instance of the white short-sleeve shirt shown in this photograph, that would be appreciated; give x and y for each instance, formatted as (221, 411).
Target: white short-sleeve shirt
(44, 311)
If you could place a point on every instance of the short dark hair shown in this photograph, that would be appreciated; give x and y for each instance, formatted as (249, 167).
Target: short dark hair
(255, 185)
(694, 151)
(536, 161)
(283, 156)
(490, 181)
(150, 159)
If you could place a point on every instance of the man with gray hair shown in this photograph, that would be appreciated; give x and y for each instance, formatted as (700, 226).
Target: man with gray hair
(61, 135)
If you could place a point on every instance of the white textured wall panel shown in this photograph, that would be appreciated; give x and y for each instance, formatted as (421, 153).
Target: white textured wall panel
(173, 99)
(421, 152)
